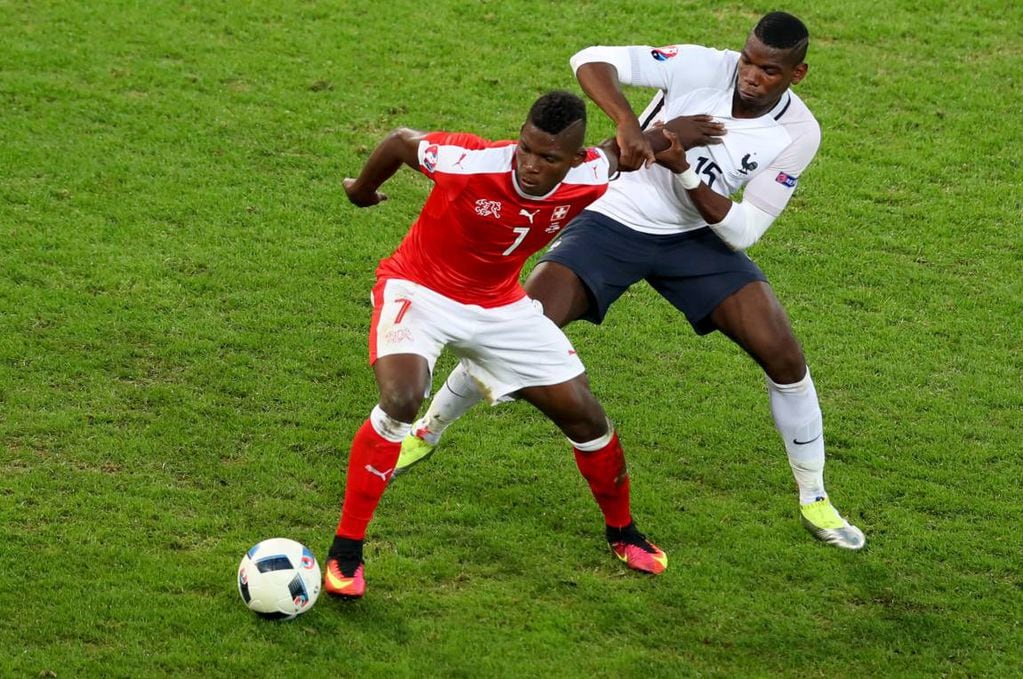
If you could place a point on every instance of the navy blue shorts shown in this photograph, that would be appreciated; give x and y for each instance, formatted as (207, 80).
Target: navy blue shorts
(695, 270)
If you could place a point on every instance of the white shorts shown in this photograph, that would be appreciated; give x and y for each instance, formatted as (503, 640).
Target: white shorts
(504, 348)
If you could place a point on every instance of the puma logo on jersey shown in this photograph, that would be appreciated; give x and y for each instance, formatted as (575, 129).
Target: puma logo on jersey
(458, 163)
(529, 215)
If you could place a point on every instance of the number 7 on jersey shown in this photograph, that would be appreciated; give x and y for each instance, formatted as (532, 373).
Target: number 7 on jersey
(523, 231)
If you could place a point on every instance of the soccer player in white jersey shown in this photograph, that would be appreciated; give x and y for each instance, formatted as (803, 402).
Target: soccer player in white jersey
(453, 283)
(680, 230)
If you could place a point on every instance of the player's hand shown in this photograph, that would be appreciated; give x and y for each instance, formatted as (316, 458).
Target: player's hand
(633, 148)
(673, 157)
(362, 198)
(693, 131)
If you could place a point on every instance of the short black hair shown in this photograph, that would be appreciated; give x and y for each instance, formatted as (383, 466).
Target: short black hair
(783, 31)
(555, 111)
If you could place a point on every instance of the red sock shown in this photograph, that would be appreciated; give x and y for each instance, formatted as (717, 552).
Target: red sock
(605, 471)
(370, 465)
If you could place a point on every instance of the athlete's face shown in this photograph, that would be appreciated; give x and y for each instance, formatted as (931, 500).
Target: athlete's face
(764, 75)
(543, 159)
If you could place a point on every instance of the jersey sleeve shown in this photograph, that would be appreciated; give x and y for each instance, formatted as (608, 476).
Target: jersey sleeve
(440, 151)
(597, 157)
(674, 68)
(771, 189)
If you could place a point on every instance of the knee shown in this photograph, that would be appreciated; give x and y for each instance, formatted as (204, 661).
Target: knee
(589, 422)
(402, 404)
(571, 407)
(785, 363)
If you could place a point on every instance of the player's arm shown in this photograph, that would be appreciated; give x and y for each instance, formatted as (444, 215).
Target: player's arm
(399, 147)
(689, 131)
(597, 71)
(764, 197)
(739, 224)
(602, 71)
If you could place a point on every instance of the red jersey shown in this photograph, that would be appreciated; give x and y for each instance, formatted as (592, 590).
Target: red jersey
(477, 227)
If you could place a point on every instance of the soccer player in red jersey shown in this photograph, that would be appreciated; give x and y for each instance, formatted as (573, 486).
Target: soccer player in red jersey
(454, 282)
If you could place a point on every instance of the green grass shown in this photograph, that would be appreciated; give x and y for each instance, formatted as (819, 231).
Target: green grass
(184, 309)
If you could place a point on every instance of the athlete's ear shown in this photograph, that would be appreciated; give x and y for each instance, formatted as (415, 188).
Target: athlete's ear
(579, 158)
(799, 72)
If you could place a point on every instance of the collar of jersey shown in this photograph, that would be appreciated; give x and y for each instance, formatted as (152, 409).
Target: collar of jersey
(529, 196)
(779, 108)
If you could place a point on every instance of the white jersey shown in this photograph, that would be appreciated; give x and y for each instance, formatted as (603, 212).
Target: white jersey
(766, 155)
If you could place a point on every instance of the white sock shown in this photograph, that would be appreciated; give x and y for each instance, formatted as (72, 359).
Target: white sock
(456, 396)
(597, 443)
(389, 428)
(797, 416)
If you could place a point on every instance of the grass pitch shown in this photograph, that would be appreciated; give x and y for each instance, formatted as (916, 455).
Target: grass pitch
(184, 305)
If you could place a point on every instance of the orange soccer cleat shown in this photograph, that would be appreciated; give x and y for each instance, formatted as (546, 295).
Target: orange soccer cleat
(343, 583)
(638, 553)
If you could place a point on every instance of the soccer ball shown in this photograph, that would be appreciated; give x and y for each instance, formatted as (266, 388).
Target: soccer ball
(279, 578)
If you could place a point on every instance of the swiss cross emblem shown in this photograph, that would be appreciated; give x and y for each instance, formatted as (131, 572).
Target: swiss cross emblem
(560, 213)
(488, 208)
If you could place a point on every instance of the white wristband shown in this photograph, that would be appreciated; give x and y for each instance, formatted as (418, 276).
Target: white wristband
(689, 180)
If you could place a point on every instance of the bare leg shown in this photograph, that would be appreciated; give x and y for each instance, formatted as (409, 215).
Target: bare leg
(755, 320)
(401, 380)
(559, 290)
(601, 460)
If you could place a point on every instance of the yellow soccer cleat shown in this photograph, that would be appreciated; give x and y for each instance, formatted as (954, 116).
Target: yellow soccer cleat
(414, 449)
(827, 525)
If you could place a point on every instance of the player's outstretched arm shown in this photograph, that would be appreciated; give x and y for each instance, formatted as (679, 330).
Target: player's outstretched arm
(600, 82)
(399, 147)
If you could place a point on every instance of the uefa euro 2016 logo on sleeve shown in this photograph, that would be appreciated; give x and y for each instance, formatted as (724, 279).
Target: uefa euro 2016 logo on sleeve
(663, 53)
(430, 157)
